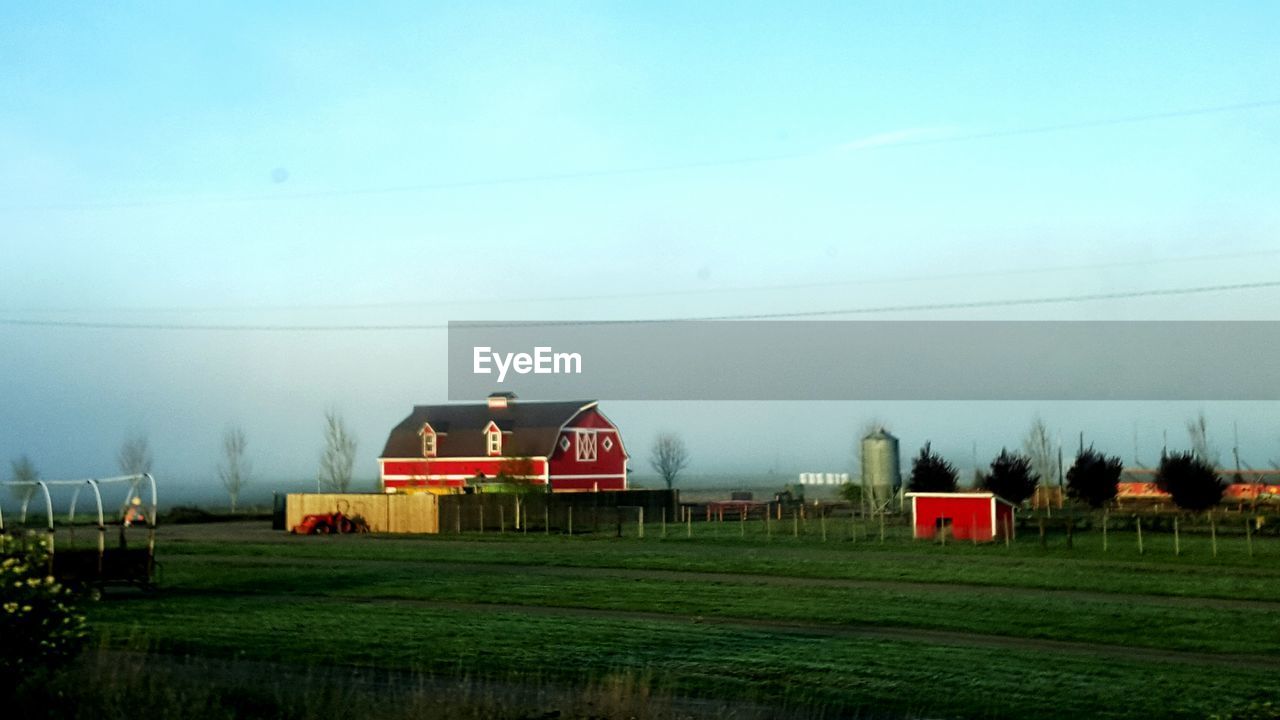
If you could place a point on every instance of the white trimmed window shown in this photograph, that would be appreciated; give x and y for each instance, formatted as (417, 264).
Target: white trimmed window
(585, 442)
(428, 441)
(493, 439)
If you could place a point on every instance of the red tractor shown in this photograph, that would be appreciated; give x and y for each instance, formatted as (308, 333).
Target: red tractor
(329, 524)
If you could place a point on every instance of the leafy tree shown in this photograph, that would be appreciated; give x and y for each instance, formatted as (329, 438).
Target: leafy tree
(1094, 478)
(234, 469)
(518, 472)
(669, 456)
(1011, 477)
(851, 492)
(339, 454)
(930, 473)
(1191, 480)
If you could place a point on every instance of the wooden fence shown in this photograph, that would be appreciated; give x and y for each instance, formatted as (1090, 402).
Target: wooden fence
(577, 512)
(397, 513)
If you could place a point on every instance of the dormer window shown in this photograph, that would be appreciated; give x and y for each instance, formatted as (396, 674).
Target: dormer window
(493, 440)
(428, 440)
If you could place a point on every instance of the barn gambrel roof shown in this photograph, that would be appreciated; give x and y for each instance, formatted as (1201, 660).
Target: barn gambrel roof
(534, 428)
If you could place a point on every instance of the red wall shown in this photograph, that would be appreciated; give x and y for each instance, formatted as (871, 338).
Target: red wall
(606, 472)
(970, 517)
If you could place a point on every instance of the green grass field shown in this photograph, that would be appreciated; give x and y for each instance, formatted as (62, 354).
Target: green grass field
(845, 626)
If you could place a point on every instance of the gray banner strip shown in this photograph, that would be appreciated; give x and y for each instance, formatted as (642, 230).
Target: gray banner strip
(867, 360)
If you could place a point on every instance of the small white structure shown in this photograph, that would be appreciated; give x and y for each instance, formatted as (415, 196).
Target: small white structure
(816, 478)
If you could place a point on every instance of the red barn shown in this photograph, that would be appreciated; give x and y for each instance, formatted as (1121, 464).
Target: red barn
(967, 516)
(444, 448)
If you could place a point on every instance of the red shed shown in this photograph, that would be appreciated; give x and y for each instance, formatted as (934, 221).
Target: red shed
(443, 448)
(967, 516)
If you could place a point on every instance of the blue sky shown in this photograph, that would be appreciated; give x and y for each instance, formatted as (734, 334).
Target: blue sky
(248, 164)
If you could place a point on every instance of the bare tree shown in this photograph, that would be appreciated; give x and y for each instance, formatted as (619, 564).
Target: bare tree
(134, 457)
(234, 469)
(24, 471)
(669, 456)
(339, 454)
(1198, 430)
(1038, 447)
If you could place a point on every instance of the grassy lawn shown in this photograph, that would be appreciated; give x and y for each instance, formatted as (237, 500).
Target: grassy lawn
(1195, 573)
(984, 610)
(770, 621)
(759, 666)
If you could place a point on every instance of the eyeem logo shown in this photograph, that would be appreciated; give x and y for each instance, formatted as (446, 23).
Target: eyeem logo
(542, 362)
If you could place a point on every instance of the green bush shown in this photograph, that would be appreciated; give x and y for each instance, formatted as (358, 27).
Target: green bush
(1011, 477)
(1094, 478)
(40, 625)
(1192, 482)
(930, 473)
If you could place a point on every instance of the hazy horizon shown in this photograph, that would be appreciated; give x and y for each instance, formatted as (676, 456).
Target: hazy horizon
(246, 215)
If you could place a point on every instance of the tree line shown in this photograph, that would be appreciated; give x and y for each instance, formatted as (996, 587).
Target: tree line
(234, 468)
(1189, 477)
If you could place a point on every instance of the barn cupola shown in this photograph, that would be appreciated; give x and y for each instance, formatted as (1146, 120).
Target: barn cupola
(501, 400)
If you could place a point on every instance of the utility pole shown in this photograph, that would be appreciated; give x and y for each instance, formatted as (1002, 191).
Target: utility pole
(1235, 445)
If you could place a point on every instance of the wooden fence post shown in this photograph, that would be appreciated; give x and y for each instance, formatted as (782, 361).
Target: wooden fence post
(1139, 535)
(1248, 535)
(1043, 542)
(1213, 533)
(481, 516)
(1177, 545)
(640, 522)
(1104, 530)
(664, 523)
(795, 523)
(881, 527)
(688, 527)
(1008, 529)
(822, 518)
(546, 518)
(502, 520)
(570, 520)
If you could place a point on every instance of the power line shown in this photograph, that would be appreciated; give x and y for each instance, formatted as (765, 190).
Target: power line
(650, 169)
(1059, 299)
(659, 293)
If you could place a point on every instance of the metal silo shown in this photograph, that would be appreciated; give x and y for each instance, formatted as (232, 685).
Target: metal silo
(881, 478)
